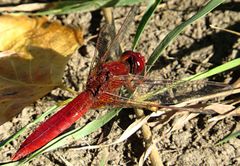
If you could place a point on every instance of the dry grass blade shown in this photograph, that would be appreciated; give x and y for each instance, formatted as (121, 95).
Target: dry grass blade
(24, 7)
(213, 107)
(235, 112)
(208, 97)
(145, 155)
(226, 30)
(137, 125)
(219, 108)
(66, 162)
(236, 84)
(180, 122)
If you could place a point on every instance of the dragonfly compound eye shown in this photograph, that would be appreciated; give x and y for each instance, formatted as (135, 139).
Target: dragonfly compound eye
(136, 61)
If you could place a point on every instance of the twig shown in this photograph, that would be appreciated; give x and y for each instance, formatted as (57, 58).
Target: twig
(236, 84)
(226, 30)
(147, 135)
(107, 12)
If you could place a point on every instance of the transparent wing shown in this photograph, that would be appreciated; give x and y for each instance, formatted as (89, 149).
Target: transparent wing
(113, 100)
(171, 92)
(108, 42)
(174, 92)
(105, 37)
(116, 101)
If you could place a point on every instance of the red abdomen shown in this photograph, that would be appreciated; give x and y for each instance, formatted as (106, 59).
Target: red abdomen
(55, 125)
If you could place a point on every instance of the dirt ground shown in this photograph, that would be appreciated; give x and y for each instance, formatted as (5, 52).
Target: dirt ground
(197, 49)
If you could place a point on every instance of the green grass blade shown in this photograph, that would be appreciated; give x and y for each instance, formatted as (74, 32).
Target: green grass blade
(16, 163)
(146, 17)
(174, 33)
(229, 137)
(219, 69)
(102, 162)
(65, 7)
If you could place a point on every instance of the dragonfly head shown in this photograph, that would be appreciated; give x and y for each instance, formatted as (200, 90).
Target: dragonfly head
(136, 61)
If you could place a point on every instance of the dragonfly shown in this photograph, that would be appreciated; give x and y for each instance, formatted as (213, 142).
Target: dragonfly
(106, 77)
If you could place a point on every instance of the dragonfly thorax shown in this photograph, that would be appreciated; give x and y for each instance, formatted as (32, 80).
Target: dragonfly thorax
(135, 60)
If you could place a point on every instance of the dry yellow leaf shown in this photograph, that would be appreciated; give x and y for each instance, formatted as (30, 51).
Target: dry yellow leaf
(33, 55)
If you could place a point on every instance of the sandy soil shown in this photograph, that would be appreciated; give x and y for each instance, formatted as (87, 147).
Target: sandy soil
(198, 48)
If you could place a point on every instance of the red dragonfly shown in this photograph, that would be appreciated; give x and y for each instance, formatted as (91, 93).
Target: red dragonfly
(103, 84)
(105, 78)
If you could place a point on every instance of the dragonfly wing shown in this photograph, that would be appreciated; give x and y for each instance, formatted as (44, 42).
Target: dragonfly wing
(114, 46)
(105, 37)
(170, 92)
(115, 101)
(108, 47)
(180, 91)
